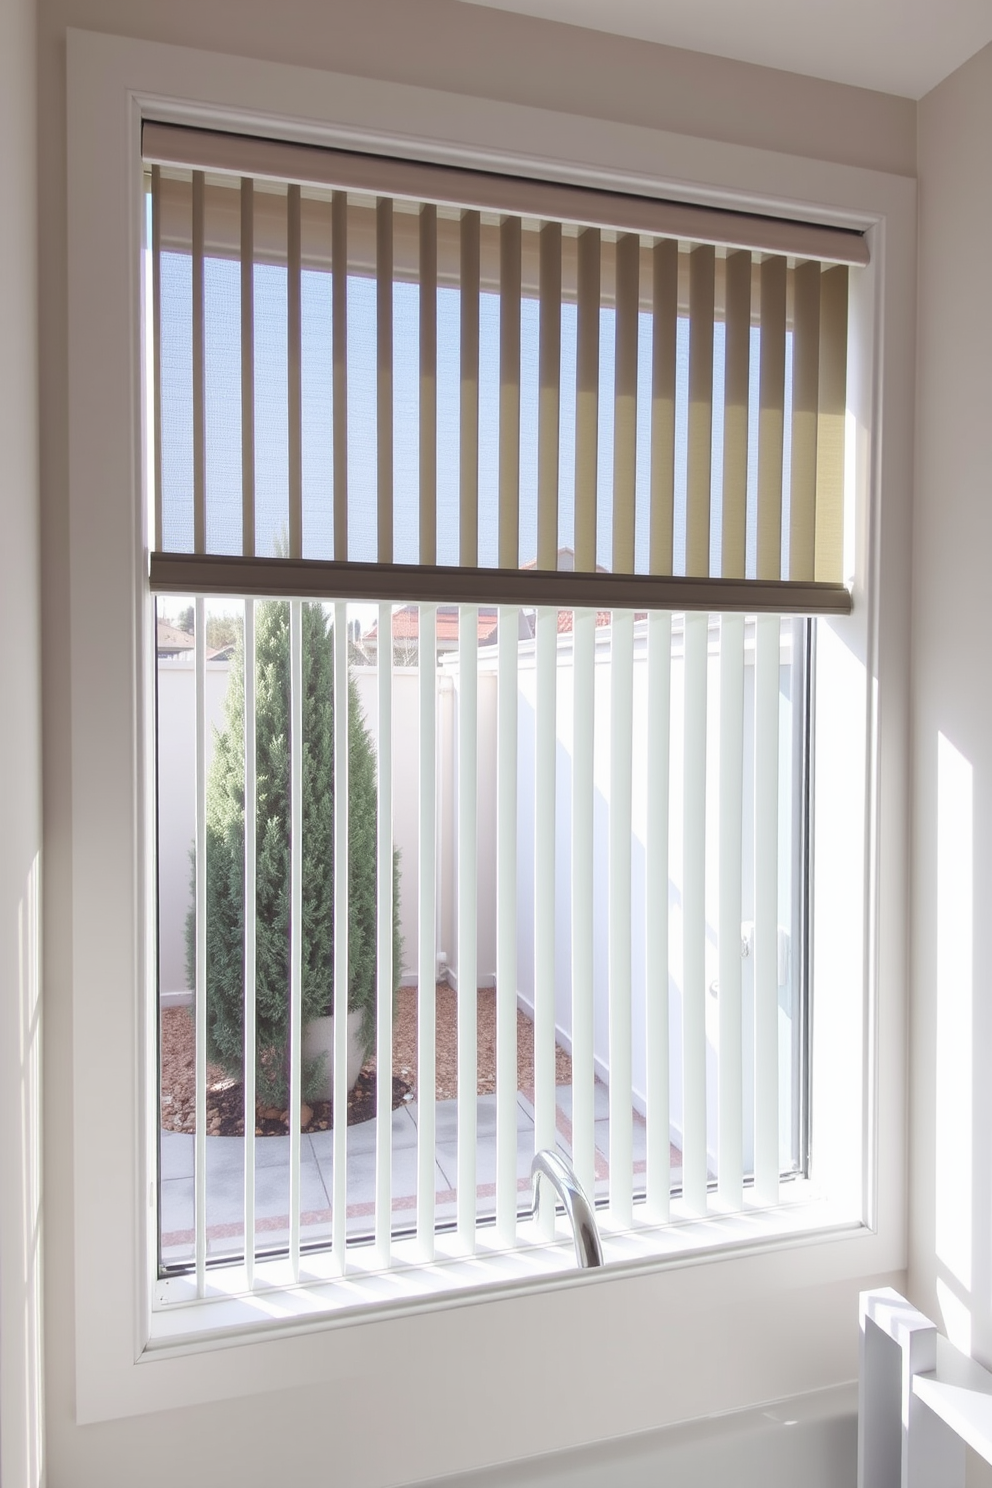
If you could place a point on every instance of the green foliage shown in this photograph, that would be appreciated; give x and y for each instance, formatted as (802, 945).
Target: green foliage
(225, 855)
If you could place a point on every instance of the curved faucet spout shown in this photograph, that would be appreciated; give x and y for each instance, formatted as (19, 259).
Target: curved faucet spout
(581, 1214)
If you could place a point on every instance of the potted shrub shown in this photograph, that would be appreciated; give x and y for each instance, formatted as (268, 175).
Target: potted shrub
(225, 866)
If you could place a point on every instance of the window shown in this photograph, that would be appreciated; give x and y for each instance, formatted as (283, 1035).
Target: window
(136, 1357)
(544, 496)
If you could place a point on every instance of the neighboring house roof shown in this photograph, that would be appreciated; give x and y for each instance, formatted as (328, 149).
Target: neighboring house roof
(406, 624)
(171, 641)
(603, 617)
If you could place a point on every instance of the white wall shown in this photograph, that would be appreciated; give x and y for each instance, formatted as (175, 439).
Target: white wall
(21, 1426)
(951, 1175)
(640, 1350)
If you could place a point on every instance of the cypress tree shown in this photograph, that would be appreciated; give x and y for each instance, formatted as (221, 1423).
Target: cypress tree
(225, 825)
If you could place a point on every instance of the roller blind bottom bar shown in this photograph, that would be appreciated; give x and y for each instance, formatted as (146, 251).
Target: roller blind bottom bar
(322, 165)
(288, 578)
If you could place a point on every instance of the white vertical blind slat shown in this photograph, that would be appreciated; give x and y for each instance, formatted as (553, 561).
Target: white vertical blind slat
(250, 941)
(545, 745)
(620, 967)
(294, 1094)
(468, 972)
(426, 932)
(200, 948)
(658, 1178)
(694, 1163)
(339, 1201)
(385, 971)
(730, 1165)
(766, 727)
(583, 899)
(506, 926)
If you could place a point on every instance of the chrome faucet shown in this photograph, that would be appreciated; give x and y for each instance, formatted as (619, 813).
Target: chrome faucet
(581, 1214)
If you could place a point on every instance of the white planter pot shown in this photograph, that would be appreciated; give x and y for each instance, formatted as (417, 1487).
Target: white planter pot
(318, 1039)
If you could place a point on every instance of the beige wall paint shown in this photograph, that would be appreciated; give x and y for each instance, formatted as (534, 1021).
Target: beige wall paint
(496, 54)
(951, 1138)
(489, 54)
(20, 803)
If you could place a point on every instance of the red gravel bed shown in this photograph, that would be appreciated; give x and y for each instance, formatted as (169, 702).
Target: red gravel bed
(225, 1097)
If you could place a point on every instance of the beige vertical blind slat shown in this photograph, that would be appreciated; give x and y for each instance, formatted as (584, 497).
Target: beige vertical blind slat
(665, 305)
(771, 417)
(248, 366)
(587, 399)
(428, 384)
(549, 407)
(829, 563)
(737, 356)
(339, 353)
(628, 285)
(509, 392)
(199, 389)
(157, 352)
(294, 332)
(702, 288)
(468, 450)
(384, 376)
(805, 403)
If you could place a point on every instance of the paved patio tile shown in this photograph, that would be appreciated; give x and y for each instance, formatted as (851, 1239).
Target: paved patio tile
(177, 1157)
(225, 1171)
(601, 1099)
(176, 1204)
(361, 1170)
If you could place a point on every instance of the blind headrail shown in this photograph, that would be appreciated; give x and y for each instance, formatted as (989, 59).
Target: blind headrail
(492, 191)
(308, 578)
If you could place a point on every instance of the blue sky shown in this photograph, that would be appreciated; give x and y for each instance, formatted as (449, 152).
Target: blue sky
(223, 419)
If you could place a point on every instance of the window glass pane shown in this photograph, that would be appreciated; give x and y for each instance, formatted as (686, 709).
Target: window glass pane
(535, 794)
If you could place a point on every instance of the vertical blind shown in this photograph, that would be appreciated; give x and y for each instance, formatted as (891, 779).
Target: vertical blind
(599, 400)
(620, 422)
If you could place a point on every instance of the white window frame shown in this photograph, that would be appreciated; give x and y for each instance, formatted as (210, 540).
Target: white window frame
(126, 1361)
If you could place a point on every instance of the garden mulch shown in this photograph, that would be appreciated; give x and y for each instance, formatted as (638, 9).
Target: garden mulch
(225, 1096)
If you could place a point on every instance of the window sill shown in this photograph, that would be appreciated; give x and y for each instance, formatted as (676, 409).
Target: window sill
(277, 1307)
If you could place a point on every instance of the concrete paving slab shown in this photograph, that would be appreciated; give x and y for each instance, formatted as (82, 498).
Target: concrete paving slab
(601, 1099)
(176, 1155)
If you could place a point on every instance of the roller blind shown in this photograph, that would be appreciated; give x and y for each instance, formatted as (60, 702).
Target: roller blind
(488, 388)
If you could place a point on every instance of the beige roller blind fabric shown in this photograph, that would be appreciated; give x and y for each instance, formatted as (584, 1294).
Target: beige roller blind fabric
(490, 384)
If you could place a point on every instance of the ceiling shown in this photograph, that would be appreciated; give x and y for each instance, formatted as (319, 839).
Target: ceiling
(897, 46)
